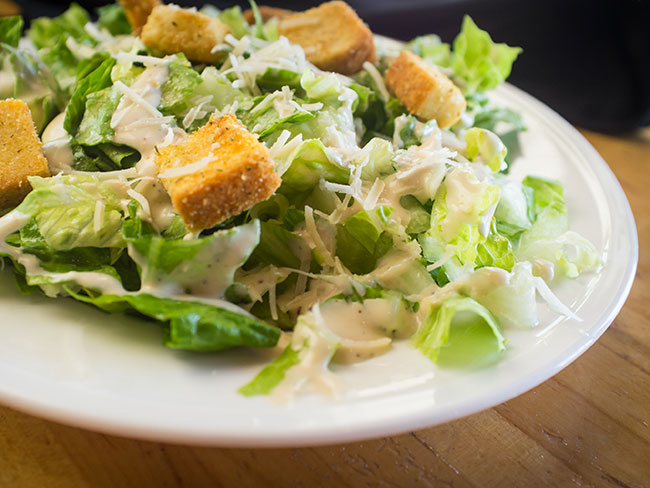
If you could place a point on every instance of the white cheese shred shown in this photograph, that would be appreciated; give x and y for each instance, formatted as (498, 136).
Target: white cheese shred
(98, 218)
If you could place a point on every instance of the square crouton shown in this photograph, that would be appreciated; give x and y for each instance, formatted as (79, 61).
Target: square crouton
(137, 12)
(220, 171)
(171, 29)
(20, 152)
(333, 36)
(425, 90)
(267, 13)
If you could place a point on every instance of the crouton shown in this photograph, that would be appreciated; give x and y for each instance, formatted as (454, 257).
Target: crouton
(7, 8)
(137, 12)
(267, 14)
(20, 152)
(333, 36)
(170, 30)
(220, 171)
(425, 90)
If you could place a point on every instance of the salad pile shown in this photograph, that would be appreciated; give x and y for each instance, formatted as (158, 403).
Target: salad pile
(385, 227)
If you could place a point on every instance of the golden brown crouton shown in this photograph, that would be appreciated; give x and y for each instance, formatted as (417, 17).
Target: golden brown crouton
(7, 7)
(172, 30)
(333, 36)
(227, 171)
(267, 14)
(20, 152)
(425, 90)
(137, 12)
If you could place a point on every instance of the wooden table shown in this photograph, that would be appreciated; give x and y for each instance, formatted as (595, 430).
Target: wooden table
(587, 426)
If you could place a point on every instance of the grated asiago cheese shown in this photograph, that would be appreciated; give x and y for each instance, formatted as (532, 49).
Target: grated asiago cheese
(273, 306)
(199, 109)
(283, 147)
(312, 107)
(370, 202)
(137, 99)
(378, 79)
(188, 168)
(335, 187)
(98, 218)
(101, 36)
(315, 239)
(261, 55)
(123, 57)
(142, 200)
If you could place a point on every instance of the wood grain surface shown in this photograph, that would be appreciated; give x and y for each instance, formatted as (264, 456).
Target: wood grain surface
(587, 426)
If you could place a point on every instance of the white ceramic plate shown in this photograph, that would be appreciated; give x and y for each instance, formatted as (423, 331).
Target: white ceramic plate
(70, 363)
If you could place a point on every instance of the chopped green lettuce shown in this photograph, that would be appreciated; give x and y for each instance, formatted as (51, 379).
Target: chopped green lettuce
(95, 76)
(204, 266)
(65, 209)
(431, 49)
(191, 325)
(548, 238)
(460, 332)
(272, 374)
(10, 30)
(361, 239)
(112, 18)
(234, 19)
(179, 88)
(487, 147)
(45, 31)
(478, 61)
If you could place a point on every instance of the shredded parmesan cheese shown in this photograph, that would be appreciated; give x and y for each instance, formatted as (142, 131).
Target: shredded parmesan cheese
(378, 79)
(98, 220)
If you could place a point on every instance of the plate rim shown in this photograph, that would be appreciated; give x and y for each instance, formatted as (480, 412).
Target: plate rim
(379, 426)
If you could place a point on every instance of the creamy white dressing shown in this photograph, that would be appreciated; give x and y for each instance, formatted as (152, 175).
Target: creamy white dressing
(56, 146)
(317, 345)
(260, 281)
(208, 273)
(462, 188)
(14, 221)
(366, 329)
(127, 119)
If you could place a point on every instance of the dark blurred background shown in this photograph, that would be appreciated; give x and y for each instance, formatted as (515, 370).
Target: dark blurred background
(589, 60)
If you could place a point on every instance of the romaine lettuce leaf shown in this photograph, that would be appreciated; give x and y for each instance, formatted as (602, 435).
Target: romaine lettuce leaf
(431, 49)
(178, 90)
(272, 374)
(512, 302)
(277, 246)
(204, 266)
(460, 207)
(487, 146)
(45, 31)
(549, 238)
(326, 88)
(189, 325)
(275, 78)
(515, 210)
(480, 62)
(96, 75)
(234, 19)
(95, 126)
(35, 85)
(10, 30)
(65, 208)
(361, 239)
(460, 332)
(221, 90)
(112, 18)
(307, 165)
